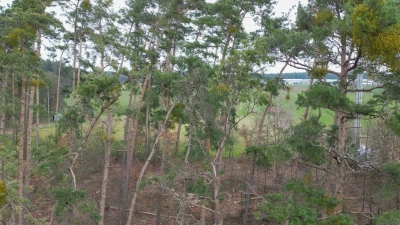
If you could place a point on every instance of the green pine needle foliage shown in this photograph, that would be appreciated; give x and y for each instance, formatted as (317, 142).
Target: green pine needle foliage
(302, 205)
(394, 122)
(392, 170)
(322, 95)
(66, 199)
(389, 218)
(3, 193)
(198, 186)
(306, 141)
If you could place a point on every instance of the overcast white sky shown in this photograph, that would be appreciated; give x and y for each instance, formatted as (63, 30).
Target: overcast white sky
(282, 6)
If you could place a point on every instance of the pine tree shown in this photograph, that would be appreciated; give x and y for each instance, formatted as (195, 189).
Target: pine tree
(322, 25)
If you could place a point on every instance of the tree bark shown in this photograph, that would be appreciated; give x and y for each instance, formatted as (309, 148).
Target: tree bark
(78, 75)
(165, 144)
(74, 52)
(159, 205)
(15, 94)
(305, 115)
(261, 126)
(208, 144)
(21, 159)
(162, 168)
(106, 164)
(58, 81)
(3, 102)
(190, 138)
(178, 136)
(29, 134)
(138, 108)
(257, 143)
(248, 194)
(37, 117)
(146, 164)
(83, 142)
(202, 214)
(2, 118)
(341, 122)
(127, 160)
(218, 220)
(39, 40)
(147, 127)
(148, 118)
(340, 168)
(126, 154)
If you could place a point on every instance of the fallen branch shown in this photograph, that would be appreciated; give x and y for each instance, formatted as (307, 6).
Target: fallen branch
(253, 198)
(353, 198)
(155, 214)
(203, 207)
(145, 213)
(363, 214)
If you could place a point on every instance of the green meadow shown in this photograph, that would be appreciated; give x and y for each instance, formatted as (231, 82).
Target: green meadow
(288, 106)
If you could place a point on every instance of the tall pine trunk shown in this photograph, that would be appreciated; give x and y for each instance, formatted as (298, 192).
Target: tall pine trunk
(39, 40)
(3, 101)
(216, 164)
(257, 143)
(59, 82)
(78, 152)
(78, 75)
(340, 167)
(162, 168)
(305, 114)
(29, 134)
(14, 111)
(106, 164)
(127, 161)
(21, 147)
(341, 122)
(190, 137)
(134, 135)
(178, 135)
(146, 164)
(74, 53)
(138, 108)
(37, 117)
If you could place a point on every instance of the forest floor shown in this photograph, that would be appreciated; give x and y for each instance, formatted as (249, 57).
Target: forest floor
(179, 207)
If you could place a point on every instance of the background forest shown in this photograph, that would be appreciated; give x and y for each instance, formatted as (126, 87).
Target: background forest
(163, 113)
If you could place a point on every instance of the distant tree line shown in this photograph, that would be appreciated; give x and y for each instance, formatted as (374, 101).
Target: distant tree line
(299, 75)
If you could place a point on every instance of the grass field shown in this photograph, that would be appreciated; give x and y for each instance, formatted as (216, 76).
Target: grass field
(289, 107)
(327, 115)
